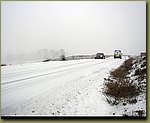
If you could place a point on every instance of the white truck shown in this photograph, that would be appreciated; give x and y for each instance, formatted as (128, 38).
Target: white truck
(117, 54)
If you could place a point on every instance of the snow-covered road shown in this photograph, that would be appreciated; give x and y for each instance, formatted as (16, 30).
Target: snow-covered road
(44, 88)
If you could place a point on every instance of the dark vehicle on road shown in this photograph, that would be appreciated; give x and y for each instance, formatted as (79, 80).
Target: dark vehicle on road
(117, 54)
(100, 56)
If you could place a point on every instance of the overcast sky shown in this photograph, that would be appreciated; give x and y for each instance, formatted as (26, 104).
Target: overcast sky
(78, 27)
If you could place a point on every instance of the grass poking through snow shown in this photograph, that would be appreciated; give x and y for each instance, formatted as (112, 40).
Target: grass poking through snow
(120, 88)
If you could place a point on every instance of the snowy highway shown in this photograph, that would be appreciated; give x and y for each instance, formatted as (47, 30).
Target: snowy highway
(45, 82)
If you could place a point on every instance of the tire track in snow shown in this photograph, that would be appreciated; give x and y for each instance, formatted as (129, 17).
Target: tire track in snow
(32, 70)
(37, 76)
(52, 77)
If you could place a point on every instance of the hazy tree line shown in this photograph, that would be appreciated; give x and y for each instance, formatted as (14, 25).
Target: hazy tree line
(39, 55)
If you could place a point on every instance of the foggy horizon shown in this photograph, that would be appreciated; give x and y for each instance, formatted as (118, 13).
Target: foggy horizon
(78, 27)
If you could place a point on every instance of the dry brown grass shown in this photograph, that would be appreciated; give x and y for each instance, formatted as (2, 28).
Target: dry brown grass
(122, 71)
(140, 71)
(118, 73)
(119, 86)
(120, 90)
(128, 64)
(140, 112)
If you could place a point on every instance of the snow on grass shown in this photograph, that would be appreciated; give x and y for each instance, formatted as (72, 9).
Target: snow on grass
(131, 96)
(132, 109)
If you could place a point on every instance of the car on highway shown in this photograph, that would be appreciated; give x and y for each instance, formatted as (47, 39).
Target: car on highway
(100, 56)
(117, 54)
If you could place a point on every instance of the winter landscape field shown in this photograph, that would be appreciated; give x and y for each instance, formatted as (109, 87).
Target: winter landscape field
(62, 88)
(73, 59)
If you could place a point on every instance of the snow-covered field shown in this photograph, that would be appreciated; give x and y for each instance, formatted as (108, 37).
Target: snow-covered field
(64, 88)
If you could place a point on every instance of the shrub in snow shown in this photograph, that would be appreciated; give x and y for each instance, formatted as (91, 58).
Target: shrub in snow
(62, 58)
(119, 91)
(46, 60)
(119, 87)
(121, 72)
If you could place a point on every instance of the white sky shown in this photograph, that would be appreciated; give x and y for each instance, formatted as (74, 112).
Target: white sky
(79, 27)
